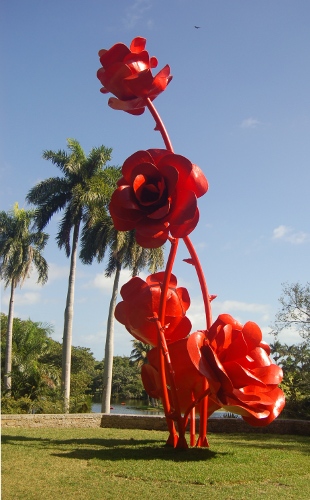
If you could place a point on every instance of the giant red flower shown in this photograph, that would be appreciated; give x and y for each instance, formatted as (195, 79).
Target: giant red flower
(126, 73)
(240, 360)
(157, 195)
(140, 307)
(189, 382)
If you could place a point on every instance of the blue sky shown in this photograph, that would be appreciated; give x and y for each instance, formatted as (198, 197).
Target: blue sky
(238, 106)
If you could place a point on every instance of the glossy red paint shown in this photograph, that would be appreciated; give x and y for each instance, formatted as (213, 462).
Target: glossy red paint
(140, 308)
(157, 196)
(127, 73)
(236, 356)
(226, 365)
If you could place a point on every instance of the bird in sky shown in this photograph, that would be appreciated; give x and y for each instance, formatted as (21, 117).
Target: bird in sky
(197, 27)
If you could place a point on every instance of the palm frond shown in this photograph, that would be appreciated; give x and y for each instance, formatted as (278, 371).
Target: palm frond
(97, 159)
(20, 246)
(96, 235)
(65, 226)
(58, 158)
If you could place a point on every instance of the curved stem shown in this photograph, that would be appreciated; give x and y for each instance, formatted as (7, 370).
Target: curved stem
(202, 280)
(163, 352)
(202, 439)
(159, 124)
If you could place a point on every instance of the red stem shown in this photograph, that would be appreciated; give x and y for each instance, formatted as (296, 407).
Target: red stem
(159, 124)
(202, 280)
(164, 357)
(167, 276)
(163, 354)
(202, 439)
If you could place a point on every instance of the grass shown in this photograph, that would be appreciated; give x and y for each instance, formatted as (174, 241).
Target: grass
(101, 464)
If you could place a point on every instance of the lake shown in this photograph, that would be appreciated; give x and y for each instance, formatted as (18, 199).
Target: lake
(137, 408)
(130, 407)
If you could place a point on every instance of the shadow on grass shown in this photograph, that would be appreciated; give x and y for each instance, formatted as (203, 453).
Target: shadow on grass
(113, 449)
(150, 449)
(144, 453)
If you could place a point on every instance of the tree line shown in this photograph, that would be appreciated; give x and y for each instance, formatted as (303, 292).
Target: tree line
(36, 372)
(82, 193)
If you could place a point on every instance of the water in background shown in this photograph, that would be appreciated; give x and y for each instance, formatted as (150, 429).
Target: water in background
(129, 408)
(136, 408)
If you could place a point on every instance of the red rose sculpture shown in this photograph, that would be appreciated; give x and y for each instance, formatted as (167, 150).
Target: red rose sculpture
(226, 365)
(157, 195)
(126, 73)
(141, 302)
(239, 359)
(189, 382)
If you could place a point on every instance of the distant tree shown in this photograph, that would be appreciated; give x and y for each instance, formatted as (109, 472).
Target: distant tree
(83, 178)
(294, 359)
(36, 370)
(295, 310)
(30, 341)
(20, 249)
(126, 380)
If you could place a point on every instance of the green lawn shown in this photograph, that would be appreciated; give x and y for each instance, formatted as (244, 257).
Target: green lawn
(99, 464)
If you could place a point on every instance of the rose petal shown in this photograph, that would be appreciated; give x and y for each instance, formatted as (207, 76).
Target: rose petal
(113, 55)
(150, 380)
(272, 374)
(138, 44)
(134, 106)
(252, 335)
(140, 83)
(241, 377)
(131, 163)
(186, 228)
(197, 181)
(154, 235)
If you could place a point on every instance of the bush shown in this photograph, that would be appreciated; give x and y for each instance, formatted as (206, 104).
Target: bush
(16, 406)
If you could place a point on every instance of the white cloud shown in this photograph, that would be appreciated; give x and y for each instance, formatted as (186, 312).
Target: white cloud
(249, 123)
(288, 234)
(286, 336)
(135, 12)
(56, 272)
(106, 284)
(234, 305)
(241, 311)
(280, 232)
(22, 299)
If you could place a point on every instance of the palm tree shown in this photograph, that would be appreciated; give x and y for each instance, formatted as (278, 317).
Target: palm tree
(139, 352)
(20, 248)
(83, 178)
(98, 235)
(139, 355)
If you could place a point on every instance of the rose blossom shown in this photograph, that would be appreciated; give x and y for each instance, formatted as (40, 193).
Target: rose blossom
(240, 360)
(157, 195)
(140, 307)
(189, 382)
(126, 73)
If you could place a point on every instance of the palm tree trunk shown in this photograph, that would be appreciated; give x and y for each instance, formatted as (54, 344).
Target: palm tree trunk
(109, 346)
(68, 323)
(9, 341)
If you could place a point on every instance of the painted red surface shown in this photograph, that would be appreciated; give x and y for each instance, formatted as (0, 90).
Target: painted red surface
(223, 365)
